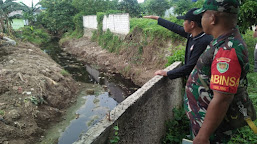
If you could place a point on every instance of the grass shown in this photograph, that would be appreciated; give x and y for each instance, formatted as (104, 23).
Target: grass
(34, 35)
(2, 112)
(64, 72)
(153, 30)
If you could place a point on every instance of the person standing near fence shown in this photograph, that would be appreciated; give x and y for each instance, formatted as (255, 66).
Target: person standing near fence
(197, 41)
(218, 74)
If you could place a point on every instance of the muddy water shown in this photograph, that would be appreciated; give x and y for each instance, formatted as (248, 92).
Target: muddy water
(106, 91)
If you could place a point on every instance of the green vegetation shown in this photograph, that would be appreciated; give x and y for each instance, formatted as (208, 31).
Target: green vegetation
(7, 7)
(58, 16)
(115, 139)
(36, 100)
(2, 112)
(151, 29)
(64, 72)
(156, 7)
(107, 40)
(245, 134)
(177, 128)
(28, 12)
(247, 15)
(250, 42)
(130, 6)
(34, 35)
(178, 54)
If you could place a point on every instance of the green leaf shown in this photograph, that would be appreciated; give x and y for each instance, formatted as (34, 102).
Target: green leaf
(116, 128)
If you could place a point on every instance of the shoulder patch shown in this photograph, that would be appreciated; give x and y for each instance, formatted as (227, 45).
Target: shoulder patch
(222, 67)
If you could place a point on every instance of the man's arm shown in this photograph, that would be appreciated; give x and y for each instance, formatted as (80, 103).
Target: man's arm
(186, 69)
(169, 25)
(178, 72)
(216, 112)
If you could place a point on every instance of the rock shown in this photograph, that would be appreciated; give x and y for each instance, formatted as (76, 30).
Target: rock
(101, 80)
(101, 74)
(90, 91)
(107, 63)
(11, 61)
(13, 114)
(105, 87)
(15, 88)
(9, 41)
(1, 35)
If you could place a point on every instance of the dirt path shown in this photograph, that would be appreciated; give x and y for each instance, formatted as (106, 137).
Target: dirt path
(34, 92)
(122, 63)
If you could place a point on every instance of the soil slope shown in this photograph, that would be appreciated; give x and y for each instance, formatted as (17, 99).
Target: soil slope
(33, 93)
(138, 68)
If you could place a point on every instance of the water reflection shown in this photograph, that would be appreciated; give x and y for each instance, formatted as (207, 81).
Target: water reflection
(114, 90)
(95, 108)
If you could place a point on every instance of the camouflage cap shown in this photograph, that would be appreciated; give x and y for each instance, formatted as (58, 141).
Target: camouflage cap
(228, 6)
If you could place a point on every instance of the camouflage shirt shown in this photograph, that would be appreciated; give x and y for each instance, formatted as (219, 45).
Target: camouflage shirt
(221, 67)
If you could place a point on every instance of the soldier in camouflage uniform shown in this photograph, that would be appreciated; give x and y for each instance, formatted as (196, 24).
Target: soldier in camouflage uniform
(218, 73)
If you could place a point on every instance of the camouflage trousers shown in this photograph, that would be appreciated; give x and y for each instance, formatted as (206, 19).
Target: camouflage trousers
(219, 136)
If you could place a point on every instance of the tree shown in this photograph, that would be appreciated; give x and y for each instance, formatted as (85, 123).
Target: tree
(247, 15)
(5, 9)
(157, 7)
(58, 16)
(182, 6)
(91, 7)
(29, 12)
(130, 6)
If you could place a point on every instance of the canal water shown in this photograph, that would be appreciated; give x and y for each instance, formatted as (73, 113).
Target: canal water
(101, 93)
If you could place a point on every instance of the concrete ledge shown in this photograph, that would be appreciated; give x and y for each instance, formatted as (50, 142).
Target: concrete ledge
(141, 117)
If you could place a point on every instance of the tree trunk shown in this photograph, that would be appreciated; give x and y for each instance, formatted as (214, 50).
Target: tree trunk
(1, 25)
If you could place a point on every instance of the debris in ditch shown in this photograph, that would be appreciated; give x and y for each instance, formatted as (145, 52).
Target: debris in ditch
(77, 115)
(90, 91)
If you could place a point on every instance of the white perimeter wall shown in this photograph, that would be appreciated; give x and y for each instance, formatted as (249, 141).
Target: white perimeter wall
(90, 21)
(117, 23)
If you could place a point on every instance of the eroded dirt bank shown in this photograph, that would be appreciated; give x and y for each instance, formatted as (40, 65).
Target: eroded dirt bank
(34, 92)
(138, 68)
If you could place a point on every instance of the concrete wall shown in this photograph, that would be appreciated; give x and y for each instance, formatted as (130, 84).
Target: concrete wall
(117, 23)
(90, 21)
(140, 117)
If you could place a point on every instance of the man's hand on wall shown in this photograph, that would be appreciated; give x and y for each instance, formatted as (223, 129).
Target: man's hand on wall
(161, 72)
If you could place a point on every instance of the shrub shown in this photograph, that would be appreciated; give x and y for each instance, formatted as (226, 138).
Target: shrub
(178, 55)
(34, 35)
(250, 42)
(152, 29)
(177, 128)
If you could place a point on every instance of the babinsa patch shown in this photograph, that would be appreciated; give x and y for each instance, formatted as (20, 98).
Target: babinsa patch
(223, 64)
(222, 67)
